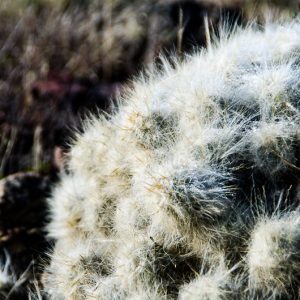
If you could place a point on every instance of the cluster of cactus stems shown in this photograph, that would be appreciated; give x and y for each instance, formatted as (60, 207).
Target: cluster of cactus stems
(189, 190)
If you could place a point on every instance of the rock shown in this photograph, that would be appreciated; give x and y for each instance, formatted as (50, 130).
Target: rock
(22, 218)
(23, 201)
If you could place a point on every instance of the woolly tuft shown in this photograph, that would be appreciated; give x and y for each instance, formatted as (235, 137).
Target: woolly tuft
(160, 198)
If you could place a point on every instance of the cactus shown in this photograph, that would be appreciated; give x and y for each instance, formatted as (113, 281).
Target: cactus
(189, 190)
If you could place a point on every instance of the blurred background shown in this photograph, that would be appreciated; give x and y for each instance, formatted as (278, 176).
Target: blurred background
(61, 60)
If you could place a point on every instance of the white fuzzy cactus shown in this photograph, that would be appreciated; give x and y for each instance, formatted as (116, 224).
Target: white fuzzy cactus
(190, 189)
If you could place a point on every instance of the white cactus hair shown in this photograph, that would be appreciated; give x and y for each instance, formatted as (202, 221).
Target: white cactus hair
(12, 286)
(214, 283)
(274, 256)
(159, 198)
(7, 277)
